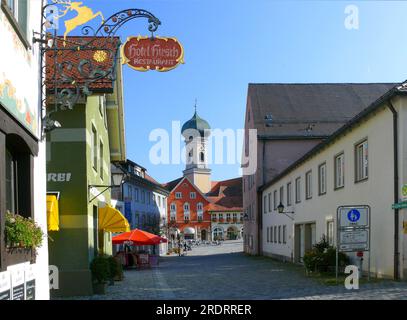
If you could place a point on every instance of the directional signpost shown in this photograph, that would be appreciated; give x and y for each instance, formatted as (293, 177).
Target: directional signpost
(353, 231)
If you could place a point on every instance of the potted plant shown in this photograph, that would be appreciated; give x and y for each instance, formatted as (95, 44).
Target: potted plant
(22, 236)
(100, 273)
(115, 270)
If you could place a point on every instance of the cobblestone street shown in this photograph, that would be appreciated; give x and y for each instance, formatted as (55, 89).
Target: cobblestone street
(224, 272)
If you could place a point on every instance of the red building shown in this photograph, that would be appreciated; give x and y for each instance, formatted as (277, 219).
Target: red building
(194, 199)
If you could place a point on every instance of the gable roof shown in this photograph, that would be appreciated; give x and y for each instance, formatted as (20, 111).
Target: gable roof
(323, 107)
(105, 47)
(399, 89)
(226, 195)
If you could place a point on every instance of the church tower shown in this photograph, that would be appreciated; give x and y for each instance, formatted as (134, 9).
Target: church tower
(196, 133)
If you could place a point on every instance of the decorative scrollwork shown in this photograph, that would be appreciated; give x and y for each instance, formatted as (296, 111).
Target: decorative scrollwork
(75, 65)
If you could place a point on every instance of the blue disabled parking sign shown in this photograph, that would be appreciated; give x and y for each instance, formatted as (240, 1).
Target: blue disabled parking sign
(354, 215)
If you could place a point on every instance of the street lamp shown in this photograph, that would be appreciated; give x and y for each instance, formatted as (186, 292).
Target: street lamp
(118, 178)
(281, 208)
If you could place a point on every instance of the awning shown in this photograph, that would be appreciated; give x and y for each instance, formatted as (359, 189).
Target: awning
(138, 238)
(111, 220)
(189, 231)
(52, 213)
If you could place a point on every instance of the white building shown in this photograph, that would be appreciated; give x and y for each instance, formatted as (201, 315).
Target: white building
(363, 163)
(22, 167)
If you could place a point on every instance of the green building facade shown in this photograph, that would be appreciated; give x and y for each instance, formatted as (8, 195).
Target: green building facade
(79, 155)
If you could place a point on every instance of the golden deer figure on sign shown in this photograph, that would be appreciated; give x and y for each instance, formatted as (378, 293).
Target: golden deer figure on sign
(85, 14)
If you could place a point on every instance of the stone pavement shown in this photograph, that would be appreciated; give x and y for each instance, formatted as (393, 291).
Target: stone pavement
(225, 273)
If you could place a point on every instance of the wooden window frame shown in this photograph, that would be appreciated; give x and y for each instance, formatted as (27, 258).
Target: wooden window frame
(320, 191)
(308, 188)
(356, 146)
(336, 157)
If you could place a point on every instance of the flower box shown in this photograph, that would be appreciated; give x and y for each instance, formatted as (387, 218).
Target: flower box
(16, 255)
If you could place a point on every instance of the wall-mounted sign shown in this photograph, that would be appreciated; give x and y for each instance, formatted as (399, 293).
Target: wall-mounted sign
(158, 53)
(17, 282)
(5, 286)
(30, 283)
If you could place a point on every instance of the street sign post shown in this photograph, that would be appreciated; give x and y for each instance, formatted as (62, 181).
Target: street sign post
(353, 232)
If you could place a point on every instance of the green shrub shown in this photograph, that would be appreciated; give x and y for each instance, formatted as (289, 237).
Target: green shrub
(323, 257)
(100, 269)
(22, 232)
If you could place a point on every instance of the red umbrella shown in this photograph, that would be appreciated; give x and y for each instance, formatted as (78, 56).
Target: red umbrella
(138, 238)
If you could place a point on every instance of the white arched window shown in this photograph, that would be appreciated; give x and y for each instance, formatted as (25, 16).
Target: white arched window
(186, 207)
(173, 207)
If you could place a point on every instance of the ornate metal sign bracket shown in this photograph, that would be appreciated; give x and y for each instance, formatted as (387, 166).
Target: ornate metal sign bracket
(66, 78)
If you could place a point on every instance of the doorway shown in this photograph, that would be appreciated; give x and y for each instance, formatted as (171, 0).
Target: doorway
(204, 235)
(305, 239)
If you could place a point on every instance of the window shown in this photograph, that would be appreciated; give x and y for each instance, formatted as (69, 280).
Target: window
(275, 200)
(361, 161)
(192, 195)
(339, 163)
(220, 216)
(148, 197)
(129, 192)
(235, 217)
(271, 234)
(173, 207)
(136, 198)
(322, 179)
(186, 207)
(143, 196)
(19, 11)
(282, 195)
(284, 234)
(289, 194)
(94, 149)
(270, 205)
(178, 195)
(264, 204)
(199, 208)
(308, 185)
(298, 190)
(228, 217)
(268, 234)
(330, 232)
(275, 234)
(279, 234)
(11, 194)
(101, 160)
(202, 156)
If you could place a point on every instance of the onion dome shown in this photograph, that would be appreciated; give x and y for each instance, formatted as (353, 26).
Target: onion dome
(196, 123)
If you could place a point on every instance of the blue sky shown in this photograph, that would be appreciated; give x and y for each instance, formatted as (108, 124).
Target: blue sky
(230, 43)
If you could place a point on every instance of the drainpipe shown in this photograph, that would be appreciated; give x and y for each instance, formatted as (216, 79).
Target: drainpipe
(396, 191)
